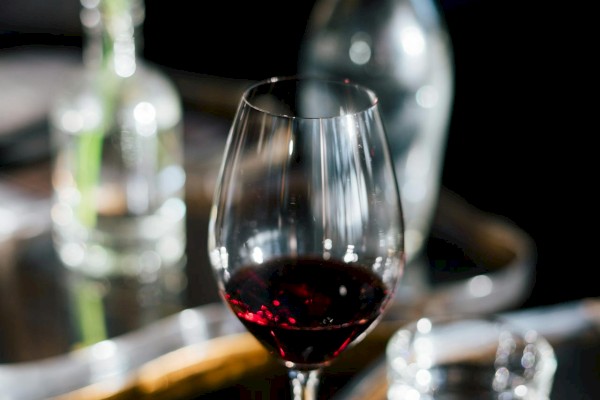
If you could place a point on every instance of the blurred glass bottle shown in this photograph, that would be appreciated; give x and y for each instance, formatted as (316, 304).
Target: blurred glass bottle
(118, 174)
(401, 49)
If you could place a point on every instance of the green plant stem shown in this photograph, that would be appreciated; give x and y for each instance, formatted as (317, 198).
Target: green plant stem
(89, 156)
(90, 312)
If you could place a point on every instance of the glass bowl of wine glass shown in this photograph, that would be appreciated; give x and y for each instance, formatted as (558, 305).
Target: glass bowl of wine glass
(306, 235)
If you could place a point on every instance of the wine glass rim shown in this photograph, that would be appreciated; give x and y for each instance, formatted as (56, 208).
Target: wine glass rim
(372, 96)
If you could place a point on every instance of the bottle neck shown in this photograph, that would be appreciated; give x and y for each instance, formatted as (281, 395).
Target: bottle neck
(110, 28)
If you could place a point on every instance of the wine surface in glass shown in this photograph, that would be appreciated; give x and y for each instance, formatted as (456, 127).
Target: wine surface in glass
(306, 310)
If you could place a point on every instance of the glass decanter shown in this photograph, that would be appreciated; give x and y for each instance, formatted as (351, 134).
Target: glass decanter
(401, 49)
(118, 175)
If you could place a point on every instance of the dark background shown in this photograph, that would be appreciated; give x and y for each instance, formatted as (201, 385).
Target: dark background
(522, 136)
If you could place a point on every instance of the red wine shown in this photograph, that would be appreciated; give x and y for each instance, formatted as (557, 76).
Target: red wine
(306, 310)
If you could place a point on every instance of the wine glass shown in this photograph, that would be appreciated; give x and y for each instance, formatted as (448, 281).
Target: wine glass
(306, 232)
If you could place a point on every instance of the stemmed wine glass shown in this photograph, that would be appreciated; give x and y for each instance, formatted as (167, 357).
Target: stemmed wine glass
(306, 232)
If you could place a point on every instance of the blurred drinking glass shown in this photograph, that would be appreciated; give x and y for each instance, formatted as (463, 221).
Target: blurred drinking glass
(482, 358)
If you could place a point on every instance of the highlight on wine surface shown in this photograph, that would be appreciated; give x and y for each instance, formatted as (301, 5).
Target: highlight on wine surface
(306, 231)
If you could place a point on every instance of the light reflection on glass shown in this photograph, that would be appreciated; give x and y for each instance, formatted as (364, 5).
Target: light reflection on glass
(72, 254)
(480, 286)
(413, 40)
(144, 114)
(350, 255)
(257, 255)
(104, 350)
(98, 258)
(424, 349)
(173, 208)
(194, 326)
(170, 248)
(412, 63)
(106, 361)
(219, 257)
(423, 377)
(60, 213)
(171, 180)
(124, 47)
(125, 65)
(424, 325)
(72, 121)
(86, 117)
(9, 222)
(360, 49)
(427, 96)
(521, 391)
(90, 16)
(354, 209)
(418, 165)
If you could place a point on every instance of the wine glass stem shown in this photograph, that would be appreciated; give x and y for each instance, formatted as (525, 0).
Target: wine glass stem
(305, 384)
